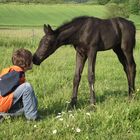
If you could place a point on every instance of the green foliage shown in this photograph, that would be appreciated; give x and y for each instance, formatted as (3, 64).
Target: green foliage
(34, 1)
(115, 10)
(46, 1)
(103, 2)
(118, 1)
(134, 6)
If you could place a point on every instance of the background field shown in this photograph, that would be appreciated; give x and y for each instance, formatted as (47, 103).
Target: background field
(114, 118)
(37, 15)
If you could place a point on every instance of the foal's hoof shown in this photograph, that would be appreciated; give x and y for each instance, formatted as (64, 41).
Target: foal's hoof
(73, 103)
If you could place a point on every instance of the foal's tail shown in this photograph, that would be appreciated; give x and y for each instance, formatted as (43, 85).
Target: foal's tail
(128, 31)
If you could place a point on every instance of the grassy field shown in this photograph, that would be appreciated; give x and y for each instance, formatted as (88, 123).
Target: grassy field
(37, 15)
(114, 118)
(19, 15)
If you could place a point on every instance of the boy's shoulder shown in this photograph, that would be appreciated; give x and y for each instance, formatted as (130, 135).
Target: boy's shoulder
(16, 68)
(4, 71)
(11, 68)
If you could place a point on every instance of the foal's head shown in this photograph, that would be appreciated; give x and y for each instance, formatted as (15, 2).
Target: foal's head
(46, 46)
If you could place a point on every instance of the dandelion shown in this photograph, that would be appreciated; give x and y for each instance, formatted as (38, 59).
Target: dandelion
(54, 131)
(78, 130)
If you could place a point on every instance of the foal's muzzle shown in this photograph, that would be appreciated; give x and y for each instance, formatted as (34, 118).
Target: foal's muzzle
(36, 60)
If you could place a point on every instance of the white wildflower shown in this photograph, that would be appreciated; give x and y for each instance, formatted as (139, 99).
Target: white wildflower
(59, 113)
(78, 130)
(69, 111)
(54, 131)
(67, 102)
(59, 116)
(88, 114)
(71, 116)
(35, 126)
(138, 90)
(61, 119)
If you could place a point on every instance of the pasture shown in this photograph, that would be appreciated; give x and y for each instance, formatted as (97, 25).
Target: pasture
(36, 15)
(115, 116)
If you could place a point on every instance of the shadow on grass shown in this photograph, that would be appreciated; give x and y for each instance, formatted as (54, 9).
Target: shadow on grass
(54, 109)
(82, 102)
(112, 94)
(61, 105)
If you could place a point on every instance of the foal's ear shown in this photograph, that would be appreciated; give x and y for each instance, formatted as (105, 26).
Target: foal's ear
(48, 29)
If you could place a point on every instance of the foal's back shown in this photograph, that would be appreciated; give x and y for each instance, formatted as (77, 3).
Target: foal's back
(106, 33)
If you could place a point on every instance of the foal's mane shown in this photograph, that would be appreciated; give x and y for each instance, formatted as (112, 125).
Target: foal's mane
(75, 21)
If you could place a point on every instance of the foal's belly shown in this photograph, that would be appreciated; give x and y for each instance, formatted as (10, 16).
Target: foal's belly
(109, 43)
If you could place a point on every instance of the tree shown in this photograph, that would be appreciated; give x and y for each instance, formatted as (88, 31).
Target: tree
(134, 6)
(117, 10)
(118, 1)
(103, 2)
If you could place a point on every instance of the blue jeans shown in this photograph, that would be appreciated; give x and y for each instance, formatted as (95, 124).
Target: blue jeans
(24, 102)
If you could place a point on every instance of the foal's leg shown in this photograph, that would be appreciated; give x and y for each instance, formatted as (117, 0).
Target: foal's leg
(91, 73)
(122, 59)
(80, 61)
(129, 66)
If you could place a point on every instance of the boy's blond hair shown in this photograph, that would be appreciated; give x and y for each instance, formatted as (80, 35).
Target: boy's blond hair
(22, 58)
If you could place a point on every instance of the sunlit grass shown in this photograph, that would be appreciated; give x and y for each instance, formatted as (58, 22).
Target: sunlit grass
(37, 15)
(114, 118)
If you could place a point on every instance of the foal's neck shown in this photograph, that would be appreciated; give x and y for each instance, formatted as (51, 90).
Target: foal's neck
(66, 35)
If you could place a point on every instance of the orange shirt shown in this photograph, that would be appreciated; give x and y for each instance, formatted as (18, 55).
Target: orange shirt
(6, 102)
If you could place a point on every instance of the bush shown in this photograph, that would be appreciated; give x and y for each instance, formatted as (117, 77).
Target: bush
(103, 2)
(134, 6)
(118, 1)
(115, 10)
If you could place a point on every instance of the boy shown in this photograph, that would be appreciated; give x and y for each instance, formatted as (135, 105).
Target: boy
(22, 99)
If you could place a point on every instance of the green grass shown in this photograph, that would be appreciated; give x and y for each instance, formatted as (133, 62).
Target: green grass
(114, 118)
(37, 15)
(29, 15)
(136, 20)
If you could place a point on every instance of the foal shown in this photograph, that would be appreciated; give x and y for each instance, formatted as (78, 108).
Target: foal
(89, 35)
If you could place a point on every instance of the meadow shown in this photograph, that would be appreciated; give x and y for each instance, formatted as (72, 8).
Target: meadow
(115, 117)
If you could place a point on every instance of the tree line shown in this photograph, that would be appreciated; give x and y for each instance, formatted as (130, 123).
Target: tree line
(115, 7)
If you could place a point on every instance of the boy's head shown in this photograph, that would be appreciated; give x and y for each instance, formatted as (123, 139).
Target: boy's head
(22, 58)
